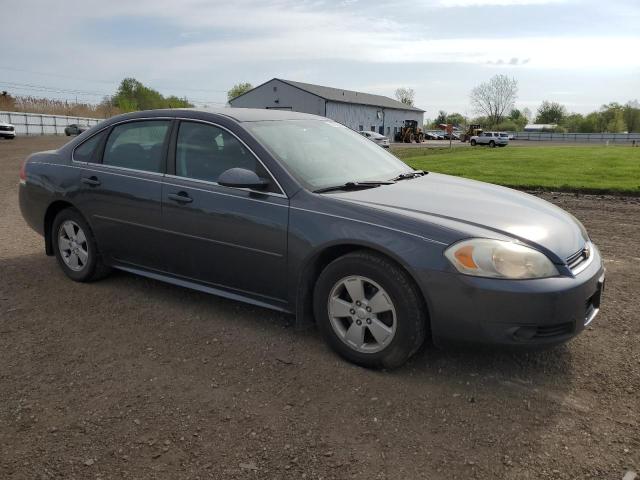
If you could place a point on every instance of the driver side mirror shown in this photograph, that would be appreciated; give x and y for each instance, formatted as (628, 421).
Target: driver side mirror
(242, 178)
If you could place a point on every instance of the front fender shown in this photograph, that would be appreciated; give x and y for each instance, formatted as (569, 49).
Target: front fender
(316, 237)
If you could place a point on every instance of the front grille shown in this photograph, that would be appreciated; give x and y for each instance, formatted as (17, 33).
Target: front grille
(6, 128)
(556, 330)
(574, 261)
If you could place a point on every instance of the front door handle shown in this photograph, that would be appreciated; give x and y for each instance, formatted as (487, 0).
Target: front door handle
(180, 197)
(92, 181)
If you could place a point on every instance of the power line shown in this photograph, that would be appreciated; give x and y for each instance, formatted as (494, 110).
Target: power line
(52, 89)
(56, 75)
(111, 82)
(32, 88)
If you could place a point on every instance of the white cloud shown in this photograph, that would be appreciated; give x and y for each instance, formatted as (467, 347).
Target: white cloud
(312, 40)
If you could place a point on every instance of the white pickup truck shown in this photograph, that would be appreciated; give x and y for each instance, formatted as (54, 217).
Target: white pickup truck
(493, 139)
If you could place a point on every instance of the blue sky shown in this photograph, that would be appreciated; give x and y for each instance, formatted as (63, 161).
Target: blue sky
(580, 53)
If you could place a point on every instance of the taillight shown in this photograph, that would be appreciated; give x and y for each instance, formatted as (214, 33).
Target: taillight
(23, 173)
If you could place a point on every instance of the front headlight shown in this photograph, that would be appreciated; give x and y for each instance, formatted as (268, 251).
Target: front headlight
(483, 257)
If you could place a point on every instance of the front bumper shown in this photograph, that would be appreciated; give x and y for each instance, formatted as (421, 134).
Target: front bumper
(513, 312)
(7, 133)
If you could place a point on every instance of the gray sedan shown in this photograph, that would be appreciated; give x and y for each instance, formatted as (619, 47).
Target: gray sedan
(299, 214)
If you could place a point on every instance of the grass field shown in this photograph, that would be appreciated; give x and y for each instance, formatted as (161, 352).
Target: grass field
(589, 169)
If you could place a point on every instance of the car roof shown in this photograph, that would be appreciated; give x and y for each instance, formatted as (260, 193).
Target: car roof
(255, 114)
(237, 114)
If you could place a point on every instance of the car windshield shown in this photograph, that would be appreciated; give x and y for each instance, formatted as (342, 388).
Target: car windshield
(323, 153)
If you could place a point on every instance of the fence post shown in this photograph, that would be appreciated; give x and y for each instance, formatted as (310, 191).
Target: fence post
(26, 124)
(55, 125)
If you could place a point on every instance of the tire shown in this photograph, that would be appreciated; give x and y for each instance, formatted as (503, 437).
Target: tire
(70, 226)
(393, 334)
(473, 143)
(492, 144)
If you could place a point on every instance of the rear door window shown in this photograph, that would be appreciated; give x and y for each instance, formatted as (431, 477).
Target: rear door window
(137, 145)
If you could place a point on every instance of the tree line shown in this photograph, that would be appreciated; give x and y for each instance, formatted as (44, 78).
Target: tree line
(130, 96)
(494, 103)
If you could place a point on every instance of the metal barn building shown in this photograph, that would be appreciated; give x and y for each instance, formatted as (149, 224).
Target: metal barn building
(356, 110)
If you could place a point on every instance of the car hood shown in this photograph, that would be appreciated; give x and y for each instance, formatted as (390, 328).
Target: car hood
(477, 208)
(4, 124)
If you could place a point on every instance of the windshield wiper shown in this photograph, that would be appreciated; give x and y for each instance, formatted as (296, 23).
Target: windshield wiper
(407, 175)
(355, 185)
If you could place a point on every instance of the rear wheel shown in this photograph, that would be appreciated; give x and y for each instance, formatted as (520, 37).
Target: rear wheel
(75, 247)
(473, 143)
(369, 311)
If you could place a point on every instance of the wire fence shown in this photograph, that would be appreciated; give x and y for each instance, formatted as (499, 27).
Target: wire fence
(628, 138)
(42, 124)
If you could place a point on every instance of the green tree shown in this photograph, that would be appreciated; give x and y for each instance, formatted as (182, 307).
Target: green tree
(441, 118)
(132, 95)
(573, 122)
(238, 89)
(591, 123)
(518, 119)
(456, 119)
(617, 124)
(631, 113)
(551, 112)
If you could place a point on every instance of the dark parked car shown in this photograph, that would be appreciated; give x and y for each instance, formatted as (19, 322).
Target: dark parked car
(300, 214)
(75, 129)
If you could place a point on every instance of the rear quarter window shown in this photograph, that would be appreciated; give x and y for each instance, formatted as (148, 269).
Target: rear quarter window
(87, 151)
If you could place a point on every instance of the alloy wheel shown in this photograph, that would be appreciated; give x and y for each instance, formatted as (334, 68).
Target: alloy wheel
(362, 314)
(73, 246)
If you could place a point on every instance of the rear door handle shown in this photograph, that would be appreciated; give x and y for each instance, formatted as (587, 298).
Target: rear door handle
(180, 197)
(93, 181)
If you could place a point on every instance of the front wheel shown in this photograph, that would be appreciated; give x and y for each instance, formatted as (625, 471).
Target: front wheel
(492, 144)
(369, 311)
(473, 143)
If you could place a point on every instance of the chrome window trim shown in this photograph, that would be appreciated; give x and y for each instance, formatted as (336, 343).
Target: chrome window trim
(215, 192)
(215, 184)
(132, 120)
(228, 194)
(273, 177)
(106, 168)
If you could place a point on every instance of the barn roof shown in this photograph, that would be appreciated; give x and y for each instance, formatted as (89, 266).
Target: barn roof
(347, 96)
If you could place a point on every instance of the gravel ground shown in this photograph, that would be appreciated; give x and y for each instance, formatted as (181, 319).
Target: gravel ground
(132, 378)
